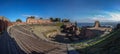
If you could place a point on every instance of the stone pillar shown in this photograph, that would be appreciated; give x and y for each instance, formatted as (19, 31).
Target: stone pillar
(97, 24)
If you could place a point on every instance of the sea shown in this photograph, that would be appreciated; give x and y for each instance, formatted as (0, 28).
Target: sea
(111, 24)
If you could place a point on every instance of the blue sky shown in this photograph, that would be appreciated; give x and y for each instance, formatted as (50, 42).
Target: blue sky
(75, 10)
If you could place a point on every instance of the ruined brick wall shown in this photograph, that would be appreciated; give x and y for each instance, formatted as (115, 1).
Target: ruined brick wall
(37, 21)
(4, 23)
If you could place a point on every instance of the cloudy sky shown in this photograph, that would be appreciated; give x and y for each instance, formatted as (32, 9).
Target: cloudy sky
(75, 10)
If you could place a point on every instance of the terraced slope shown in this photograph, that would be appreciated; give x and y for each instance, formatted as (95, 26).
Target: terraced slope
(111, 45)
(30, 43)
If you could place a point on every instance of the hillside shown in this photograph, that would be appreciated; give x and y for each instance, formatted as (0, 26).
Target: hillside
(110, 44)
(26, 42)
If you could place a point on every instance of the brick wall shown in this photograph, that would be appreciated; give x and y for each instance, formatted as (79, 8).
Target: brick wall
(31, 20)
(4, 23)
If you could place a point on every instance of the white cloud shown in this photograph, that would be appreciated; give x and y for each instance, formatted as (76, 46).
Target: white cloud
(115, 16)
(112, 17)
(81, 20)
(26, 15)
(108, 17)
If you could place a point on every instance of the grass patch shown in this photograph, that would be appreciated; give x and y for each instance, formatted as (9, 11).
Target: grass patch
(59, 24)
(109, 44)
(48, 32)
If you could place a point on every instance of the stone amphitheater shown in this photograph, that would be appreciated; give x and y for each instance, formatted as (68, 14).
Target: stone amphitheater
(22, 39)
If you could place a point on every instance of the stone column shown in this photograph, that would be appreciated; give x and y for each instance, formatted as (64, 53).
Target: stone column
(97, 24)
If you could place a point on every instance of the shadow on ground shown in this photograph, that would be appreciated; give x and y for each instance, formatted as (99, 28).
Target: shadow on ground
(8, 45)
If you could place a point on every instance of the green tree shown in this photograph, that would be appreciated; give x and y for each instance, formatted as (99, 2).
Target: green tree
(18, 20)
(51, 19)
(41, 18)
(33, 17)
(57, 19)
(65, 20)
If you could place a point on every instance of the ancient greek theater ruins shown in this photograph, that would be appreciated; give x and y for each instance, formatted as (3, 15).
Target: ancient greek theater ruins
(20, 39)
(42, 36)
